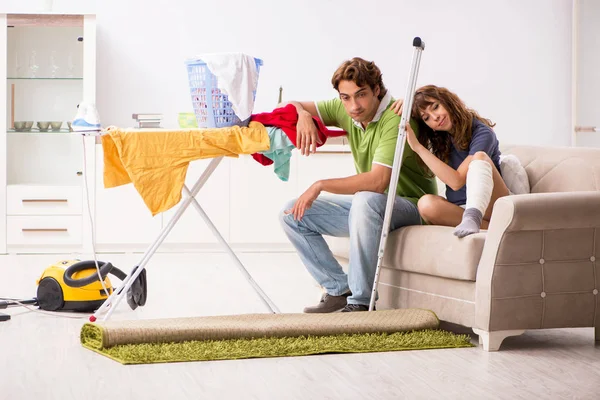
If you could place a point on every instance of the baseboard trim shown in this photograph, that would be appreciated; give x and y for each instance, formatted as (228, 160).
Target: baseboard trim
(198, 248)
(427, 293)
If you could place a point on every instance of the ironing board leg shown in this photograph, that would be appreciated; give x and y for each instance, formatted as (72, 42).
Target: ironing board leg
(115, 298)
(263, 296)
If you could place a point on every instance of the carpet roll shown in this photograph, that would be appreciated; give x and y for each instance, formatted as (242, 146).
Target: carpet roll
(248, 326)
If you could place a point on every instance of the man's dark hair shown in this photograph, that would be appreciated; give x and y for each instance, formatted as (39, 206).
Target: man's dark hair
(362, 73)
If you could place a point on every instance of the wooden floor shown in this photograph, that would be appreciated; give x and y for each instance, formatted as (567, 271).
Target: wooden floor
(41, 357)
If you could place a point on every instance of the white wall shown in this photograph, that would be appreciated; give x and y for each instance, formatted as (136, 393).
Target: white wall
(588, 72)
(509, 59)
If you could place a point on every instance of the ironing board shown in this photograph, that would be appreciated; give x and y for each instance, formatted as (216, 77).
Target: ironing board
(105, 311)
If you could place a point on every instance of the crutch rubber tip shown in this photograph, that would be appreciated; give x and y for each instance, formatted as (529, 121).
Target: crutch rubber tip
(417, 42)
(92, 318)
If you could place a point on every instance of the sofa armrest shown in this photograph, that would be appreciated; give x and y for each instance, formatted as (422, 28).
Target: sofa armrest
(537, 211)
(539, 247)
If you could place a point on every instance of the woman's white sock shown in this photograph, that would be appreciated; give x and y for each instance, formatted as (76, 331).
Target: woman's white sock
(480, 184)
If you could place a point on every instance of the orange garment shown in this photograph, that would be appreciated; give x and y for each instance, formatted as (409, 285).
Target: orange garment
(156, 160)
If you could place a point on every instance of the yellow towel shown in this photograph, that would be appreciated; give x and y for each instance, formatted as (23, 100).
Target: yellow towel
(156, 160)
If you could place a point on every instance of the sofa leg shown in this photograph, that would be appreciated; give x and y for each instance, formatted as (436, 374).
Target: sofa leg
(492, 340)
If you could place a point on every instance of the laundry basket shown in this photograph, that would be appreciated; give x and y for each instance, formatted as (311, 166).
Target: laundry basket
(211, 106)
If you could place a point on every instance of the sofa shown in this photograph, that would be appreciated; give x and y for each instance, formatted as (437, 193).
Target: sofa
(534, 268)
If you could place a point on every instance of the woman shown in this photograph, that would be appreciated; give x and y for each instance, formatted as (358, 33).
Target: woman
(461, 149)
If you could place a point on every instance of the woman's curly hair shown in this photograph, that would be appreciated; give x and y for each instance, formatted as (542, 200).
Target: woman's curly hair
(438, 142)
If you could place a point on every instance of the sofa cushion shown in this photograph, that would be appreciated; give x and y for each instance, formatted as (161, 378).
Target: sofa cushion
(434, 250)
(426, 249)
(514, 175)
(559, 169)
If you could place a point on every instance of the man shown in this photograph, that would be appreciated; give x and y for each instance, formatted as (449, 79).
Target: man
(357, 205)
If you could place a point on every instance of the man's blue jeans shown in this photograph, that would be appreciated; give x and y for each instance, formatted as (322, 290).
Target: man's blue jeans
(359, 217)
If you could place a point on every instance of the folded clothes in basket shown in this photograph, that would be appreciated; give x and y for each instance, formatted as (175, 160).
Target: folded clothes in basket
(237, 77)
(156, 160)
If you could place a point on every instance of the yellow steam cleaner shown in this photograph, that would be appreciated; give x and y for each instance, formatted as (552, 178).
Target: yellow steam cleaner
(74, 285)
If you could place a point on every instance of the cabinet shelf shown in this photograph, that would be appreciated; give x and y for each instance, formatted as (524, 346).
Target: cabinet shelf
(46, 79)
(37, 132)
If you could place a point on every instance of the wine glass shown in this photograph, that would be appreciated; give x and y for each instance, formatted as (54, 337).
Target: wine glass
(70, 66)
(18, 66)
(33, 67)
(53, 67)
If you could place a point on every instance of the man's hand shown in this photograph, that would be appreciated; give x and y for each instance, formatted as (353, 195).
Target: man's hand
(305, 201)
(307, 135)
(397, 106)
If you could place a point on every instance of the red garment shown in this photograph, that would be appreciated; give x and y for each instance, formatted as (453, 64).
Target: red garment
(286, 119)
(261, 158)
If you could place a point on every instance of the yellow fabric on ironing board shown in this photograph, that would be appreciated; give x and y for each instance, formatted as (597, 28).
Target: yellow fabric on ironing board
(156, 160)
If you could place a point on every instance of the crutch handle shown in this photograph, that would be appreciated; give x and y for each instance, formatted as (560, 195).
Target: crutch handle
(417, 42)
(402, 127)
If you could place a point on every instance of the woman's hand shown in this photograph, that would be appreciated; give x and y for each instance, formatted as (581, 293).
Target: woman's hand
(412, 140)
(397, 106)
(307, 135)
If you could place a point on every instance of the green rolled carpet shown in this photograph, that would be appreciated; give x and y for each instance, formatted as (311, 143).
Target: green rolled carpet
(266, 335)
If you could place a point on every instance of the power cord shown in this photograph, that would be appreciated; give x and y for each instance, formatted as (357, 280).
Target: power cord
(27, 305)
(89, 207)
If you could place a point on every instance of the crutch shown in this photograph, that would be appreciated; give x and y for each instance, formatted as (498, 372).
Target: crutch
(419, 46)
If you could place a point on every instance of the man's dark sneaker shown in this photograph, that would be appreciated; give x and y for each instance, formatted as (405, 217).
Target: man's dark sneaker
(328, 304)
(356, 307)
